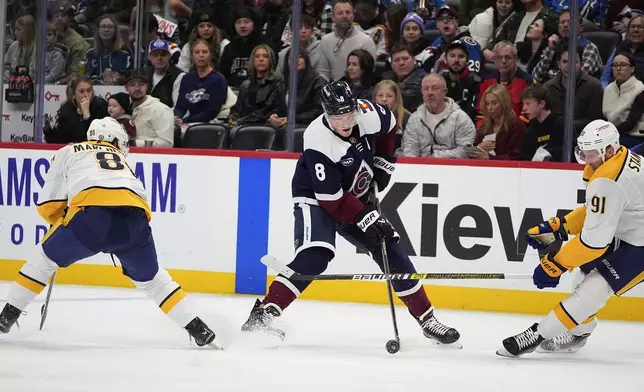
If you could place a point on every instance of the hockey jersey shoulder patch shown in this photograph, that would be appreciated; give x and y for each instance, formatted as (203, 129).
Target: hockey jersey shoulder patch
(374, 118)
(319, 138)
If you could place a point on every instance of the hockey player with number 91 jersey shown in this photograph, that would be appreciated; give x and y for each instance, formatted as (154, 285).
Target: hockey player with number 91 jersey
(345, 150)
(94, 203)
(608, 246)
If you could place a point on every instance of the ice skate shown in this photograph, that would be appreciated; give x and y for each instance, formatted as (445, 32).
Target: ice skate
(202, 335)
(439, 333)
(523, 343)
(8, 317)
(567, 342)
(261, 320)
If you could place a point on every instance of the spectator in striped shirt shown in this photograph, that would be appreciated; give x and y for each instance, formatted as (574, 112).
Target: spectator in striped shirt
(547, 67)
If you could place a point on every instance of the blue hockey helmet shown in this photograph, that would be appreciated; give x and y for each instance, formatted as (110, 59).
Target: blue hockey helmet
(337, 98)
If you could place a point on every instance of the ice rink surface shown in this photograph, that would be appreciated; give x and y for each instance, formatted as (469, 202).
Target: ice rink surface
(117, 340)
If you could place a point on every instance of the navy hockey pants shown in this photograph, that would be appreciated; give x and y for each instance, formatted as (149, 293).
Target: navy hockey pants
(121, 231)
(315, 234)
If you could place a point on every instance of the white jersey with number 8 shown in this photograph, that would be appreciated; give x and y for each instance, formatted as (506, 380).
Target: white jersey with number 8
(89, 174)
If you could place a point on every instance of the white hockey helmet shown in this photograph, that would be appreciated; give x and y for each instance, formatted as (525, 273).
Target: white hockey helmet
(110, 131)
(594, 140)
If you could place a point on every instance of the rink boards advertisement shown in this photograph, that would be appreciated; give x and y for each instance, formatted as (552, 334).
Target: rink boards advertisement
(216, 213)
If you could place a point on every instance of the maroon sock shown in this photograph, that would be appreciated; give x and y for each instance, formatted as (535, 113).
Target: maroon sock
(417, 303)
(279, 295)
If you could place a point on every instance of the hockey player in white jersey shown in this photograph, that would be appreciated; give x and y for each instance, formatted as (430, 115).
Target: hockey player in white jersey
(608, 245)
(94, 203)
(345, 150)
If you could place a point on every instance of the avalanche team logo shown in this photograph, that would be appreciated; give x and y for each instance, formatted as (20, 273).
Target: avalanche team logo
(197, 95)
(362, 180)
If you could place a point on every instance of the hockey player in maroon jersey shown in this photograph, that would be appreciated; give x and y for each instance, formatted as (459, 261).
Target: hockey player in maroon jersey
(345, 149)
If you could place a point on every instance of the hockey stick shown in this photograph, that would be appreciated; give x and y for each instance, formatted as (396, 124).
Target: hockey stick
(276, 265)
(45, 306)
(392, 345)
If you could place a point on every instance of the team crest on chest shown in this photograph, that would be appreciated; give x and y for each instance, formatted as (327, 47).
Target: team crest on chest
(362, 180)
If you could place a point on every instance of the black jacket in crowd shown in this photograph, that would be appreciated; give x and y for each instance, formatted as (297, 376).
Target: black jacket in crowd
(307, 104)
(511, 27)
(236, 55)
(273, 19)
(163, 89)
(71, 127)
(549, 134)
(464, 91)
(589, 95)
(257, 100)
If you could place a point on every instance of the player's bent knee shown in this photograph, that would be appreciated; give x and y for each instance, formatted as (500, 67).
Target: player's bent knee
(587, 299)
(312, 261)
(162, 288)
(39, 266)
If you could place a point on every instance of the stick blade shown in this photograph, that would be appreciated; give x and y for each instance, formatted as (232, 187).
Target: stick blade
(273, 263)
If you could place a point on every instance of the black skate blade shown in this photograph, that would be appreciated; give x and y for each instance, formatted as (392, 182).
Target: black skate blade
(216, 345)
(558, 351)
(502, 352)
(272, 332)
(455, 345)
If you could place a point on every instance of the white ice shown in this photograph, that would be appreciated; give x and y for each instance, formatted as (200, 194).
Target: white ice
(116, 340)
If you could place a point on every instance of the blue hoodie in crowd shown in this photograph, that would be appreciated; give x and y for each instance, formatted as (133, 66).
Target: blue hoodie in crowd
(593, 10)
(119, 61)
(412, 5)
(201, 97)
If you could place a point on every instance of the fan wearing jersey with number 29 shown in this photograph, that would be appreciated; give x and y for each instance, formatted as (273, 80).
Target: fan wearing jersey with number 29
(94, 203)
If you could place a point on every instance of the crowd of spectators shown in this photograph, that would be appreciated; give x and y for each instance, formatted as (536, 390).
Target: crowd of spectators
(476, 79)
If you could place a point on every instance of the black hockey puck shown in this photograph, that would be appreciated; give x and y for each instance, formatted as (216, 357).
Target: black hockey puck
(392, 346)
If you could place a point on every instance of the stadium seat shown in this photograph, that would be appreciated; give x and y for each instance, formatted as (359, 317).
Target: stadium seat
(432, 34)
(252, 137)
(589, 26)
(606, 41)
(212, 136)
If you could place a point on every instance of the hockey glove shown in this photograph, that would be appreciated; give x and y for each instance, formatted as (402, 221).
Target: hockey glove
(547, 232)
(548, 272)
(374, 225)
(384, 168)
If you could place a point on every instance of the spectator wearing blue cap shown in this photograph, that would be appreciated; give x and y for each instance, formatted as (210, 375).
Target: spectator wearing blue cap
(163, 76)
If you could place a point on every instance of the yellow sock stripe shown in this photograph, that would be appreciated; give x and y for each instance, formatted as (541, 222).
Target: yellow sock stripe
(639, 278)
(172, 300)
(30, 284)
(589, 319)
(565, 317)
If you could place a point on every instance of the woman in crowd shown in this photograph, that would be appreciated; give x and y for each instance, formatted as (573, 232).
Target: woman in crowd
(487, 25)
(109, 60)
(22, 50)
(393, 20)
(203, 92)
(307, 104)
(360, 73)
(530, 50)
(500, 137)
(413, 30)
(260, 95)
(387, 93)
(623, 103)
(236, 55)
(76, 113)
(634, 46)
(202, 26)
